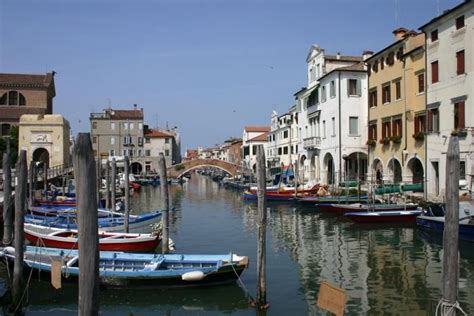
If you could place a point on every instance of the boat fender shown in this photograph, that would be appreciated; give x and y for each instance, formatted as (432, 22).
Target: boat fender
(193, 276)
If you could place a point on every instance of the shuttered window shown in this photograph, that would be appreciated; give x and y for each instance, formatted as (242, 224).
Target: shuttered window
(386, 129)
(353, 87)
(460, 62)
(373, 98)
(459, 115)
(460, 22)
(433, 120)
(398, 90)
(386, 94)
(397, 127)
(421, 83)
(373, 131)
(419, 124)
(434, 72)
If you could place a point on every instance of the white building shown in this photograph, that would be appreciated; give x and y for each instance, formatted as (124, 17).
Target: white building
(160, 141)
(450, 93)
(282, 147)
(332, 118)
(251, 138)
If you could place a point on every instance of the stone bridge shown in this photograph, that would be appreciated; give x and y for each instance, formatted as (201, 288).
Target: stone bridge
(177, 171)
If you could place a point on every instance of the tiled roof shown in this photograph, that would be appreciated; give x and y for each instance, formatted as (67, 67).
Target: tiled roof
(26, 80)
(257, 129)
(260, 138)
(126, 114)
(154, 133)
(359, 67)
(343, 58)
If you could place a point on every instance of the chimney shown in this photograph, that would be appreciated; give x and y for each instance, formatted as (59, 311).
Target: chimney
(366, 54)
(400, 33)
(338, 55)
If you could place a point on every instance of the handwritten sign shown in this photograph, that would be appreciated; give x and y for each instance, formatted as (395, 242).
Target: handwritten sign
(332, 298)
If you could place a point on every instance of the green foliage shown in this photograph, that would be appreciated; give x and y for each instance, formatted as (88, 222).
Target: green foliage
(179, 167)
(13, 145)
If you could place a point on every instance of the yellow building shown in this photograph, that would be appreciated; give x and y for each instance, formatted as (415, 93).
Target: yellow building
(396, 110)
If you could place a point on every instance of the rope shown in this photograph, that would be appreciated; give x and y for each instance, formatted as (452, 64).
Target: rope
(446, 308)
(241, 283)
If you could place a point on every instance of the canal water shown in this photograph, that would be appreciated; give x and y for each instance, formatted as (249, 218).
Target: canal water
(385, 270)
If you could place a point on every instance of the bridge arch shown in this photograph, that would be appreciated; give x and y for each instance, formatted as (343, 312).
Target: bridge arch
(177, 171)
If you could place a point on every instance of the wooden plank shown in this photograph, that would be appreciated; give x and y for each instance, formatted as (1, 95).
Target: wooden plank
(332, 298)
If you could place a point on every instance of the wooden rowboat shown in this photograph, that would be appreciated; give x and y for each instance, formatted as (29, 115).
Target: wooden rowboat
(384, 216)
(68, 239)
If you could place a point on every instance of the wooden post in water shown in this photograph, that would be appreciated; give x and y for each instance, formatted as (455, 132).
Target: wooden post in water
(451, 230)
(31, 181)
(113, 186)
(7, 200)
(107, 185)
(127, 194)
(86, 184)
(99, 180)
(45, 180)
(20, 208)
(165, 202)
(296, 178)
(262, 222)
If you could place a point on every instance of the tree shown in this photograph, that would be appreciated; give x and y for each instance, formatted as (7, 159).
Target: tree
(13, 145)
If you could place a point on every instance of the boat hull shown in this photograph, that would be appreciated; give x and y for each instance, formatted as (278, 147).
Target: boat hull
(383, 217)
(466, 231)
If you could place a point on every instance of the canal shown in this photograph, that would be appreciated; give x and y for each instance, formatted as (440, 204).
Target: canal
(385, 270)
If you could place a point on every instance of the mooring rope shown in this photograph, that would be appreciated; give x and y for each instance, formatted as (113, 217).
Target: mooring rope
(252, 300)
(446, 308)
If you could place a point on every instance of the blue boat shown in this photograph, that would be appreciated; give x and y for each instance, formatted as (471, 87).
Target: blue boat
(112, 223)
(433, 219)
(120, 269)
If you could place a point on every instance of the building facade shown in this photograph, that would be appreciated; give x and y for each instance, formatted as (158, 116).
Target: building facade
(450, 93)
(24, 94)
(159, 141)
(252, 137)
(282, 146)
(396, 110)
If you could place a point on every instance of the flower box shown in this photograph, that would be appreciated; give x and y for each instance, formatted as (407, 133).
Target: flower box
(419, 136)
(396, 139)
(371, 142)
(385, 141)
(460, 132)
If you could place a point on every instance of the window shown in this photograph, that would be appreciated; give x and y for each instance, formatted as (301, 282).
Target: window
(112, 126)
(459, 115)
(353, 87)
(462, 170)
(419, 124)
(125, 126)
(397, 127)
(124, 152)
(373, 98)
(434, 35)
(12, 98)
(421, 83)
(333, 120)
(434, 72)
(139, 153)
(279, 151)
(332, 89)
(3, 99)
(386, 129)
(292, 151)
(313, 97)
(386, 94)
(323, 94)
(353, 125)
(373, 131)
(460, 62)
(131, 125)
(140, 126)
(382, 63)
(324, 129)
(246, 151)
(22, 99)
(112, 152)
(140, 141)
(285, 150)
(254, 150)
(167, 140)
(390, 58)
(94, 140)
(375, 66)
(94, 125)
(112, 140)
(167, 152)
(433, 120)
(147, 152)
(125, 140)
(398, 90)
(460, 22)
(147, 140)
(285, 134)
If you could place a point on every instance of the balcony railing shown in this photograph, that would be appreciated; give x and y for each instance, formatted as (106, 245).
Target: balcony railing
(312, 142)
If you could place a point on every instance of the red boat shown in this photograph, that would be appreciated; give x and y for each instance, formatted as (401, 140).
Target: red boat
(136, 186)
(68, 239)
(384, 216)
(65, 202)
(361, 207)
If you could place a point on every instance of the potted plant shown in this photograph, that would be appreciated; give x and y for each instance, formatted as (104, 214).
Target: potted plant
(459, 132)
(385, 141)
(419, 136)
(371, 142)
(396, 139)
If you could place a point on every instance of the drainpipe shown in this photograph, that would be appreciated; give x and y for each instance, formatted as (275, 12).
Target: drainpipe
(340, 136)
(425, 182)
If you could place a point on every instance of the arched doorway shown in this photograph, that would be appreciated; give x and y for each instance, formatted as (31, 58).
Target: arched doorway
(136, 167)
(395, 171)
(355, 166)
(302, 176)
(41, 155)
(415, 170)
(329, 167)
(377, 171)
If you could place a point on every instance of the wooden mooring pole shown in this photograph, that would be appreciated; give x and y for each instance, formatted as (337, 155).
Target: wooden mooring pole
(20, 208)
(7, 200)
(107, 185)
(262, 222)
(113, 184)
(45, 180)
(86, 184)
(451, 230)
(99, 180)
(165, 202)
(31, 180)
(126, 194)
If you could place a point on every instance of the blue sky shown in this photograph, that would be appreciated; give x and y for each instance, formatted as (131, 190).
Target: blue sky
(209, 67)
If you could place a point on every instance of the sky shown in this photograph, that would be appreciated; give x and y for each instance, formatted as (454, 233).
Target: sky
(208, 67)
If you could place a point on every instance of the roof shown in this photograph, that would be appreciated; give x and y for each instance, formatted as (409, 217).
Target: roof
(257, 129)
(155, 133)
(299, 91)
(342, 58)
(28, 81)
(259, 138)
(126, 114)
(445, 13)
(359, 67)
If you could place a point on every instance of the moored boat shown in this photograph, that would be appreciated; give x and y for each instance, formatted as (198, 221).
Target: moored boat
(68, 239)
(271, 196)
(361, 207)
(119, 269)
(384, 216)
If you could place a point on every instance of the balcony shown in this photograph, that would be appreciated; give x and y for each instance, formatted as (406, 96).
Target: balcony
(313, 142)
